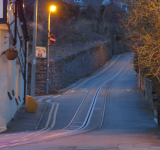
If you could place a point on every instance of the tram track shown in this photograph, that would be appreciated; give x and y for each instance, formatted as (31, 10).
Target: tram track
(86, 80)
(66, 131)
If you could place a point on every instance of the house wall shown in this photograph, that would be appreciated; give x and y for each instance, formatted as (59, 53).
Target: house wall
(11, 77)
(4, 100)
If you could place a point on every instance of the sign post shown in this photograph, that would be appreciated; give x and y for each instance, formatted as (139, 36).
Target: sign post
(52, 40)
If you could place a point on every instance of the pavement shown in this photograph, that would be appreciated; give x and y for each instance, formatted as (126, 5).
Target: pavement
(24, 121)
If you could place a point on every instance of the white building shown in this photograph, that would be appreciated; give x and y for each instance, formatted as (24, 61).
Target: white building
(12, 72)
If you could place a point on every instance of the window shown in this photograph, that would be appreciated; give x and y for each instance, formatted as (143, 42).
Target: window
(77, 0)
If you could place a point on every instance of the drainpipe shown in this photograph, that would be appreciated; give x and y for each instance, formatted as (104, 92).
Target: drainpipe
(26, 70)
(25, 73)
(15, 31)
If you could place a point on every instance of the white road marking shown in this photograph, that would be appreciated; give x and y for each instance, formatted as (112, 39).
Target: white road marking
(40, 99)
(49, 100)
(84, 90)
(128, 90)
(56, 96)
(49, 118)
(25, 139)
(54, 117)
(15, 140)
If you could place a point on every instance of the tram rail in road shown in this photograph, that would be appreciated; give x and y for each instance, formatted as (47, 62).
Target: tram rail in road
(84, 122)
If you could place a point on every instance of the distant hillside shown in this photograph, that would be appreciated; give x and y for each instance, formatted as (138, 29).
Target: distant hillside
(73, 27)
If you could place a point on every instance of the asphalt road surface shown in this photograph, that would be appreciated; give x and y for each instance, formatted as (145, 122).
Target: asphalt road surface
(105, 111)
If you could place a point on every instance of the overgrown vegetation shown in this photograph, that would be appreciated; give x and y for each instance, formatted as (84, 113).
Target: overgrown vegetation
(143, 23)
(144, 35)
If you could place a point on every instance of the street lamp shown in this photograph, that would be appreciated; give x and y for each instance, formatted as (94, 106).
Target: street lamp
(33, 71)
(52, 9)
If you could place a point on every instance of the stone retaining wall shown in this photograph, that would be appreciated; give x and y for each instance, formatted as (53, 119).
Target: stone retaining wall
(146, 85)
(150, 93)
(64, 71)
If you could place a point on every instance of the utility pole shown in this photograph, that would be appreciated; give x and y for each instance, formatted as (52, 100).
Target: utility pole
(33, 71)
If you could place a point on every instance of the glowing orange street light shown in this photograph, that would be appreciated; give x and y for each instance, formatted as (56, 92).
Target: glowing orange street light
(53, 8)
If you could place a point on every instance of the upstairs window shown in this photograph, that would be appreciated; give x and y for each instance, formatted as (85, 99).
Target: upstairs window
(77, 0)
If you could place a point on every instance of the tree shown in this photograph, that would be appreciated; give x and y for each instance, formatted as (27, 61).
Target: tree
(143, 26)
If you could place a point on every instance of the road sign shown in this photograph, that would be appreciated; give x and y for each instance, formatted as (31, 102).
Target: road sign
(41, 52)
(52, 39)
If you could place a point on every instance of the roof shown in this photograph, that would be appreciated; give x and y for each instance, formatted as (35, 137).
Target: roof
(106, 2)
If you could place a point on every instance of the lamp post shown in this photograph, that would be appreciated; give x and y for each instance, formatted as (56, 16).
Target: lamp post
(33, 71)
(52, 9)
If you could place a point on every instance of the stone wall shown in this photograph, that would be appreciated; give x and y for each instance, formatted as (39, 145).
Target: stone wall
(150, 94)
(120, 47)
(64, 71)
(146, 85)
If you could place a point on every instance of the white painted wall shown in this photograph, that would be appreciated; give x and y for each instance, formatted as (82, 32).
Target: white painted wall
(4, 100)
(11, 78)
